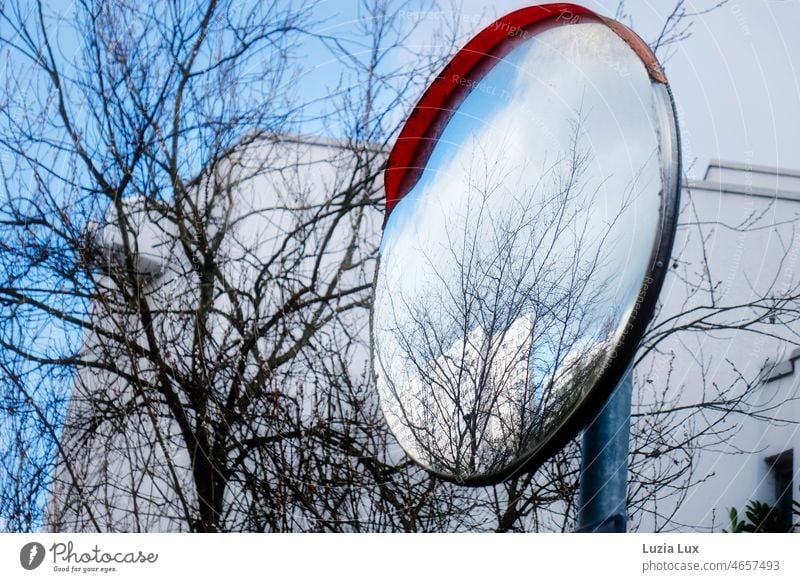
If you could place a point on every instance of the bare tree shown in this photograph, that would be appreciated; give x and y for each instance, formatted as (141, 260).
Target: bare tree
(215, 370)
(195, 284)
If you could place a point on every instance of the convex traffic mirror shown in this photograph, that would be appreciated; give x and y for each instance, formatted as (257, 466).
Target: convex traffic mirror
(531, 202)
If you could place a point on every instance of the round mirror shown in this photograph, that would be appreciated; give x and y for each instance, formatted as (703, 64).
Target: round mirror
(531, 202)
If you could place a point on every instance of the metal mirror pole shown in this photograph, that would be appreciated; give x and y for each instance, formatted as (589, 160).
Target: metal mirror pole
(604, 464)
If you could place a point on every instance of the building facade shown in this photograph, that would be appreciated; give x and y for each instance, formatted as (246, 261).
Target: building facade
(716, 411)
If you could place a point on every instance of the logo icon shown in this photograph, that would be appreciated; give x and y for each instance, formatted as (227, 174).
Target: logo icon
(31, 555)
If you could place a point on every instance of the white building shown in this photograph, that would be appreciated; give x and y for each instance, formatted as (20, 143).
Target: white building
(130, 468)
(737, 243)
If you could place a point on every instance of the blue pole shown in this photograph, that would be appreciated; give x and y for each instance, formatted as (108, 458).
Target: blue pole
(604, 464)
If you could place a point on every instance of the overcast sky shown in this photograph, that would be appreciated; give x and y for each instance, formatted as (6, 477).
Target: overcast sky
(736, 80)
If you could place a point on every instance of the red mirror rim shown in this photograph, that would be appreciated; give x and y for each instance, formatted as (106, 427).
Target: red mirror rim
(426, 122)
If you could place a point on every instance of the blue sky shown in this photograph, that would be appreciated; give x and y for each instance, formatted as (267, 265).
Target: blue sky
(736, 80)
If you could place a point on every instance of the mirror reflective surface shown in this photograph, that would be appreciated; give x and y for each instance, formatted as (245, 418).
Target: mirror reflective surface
(510, 272)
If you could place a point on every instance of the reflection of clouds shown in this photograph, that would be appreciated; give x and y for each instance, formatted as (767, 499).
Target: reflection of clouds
(505, 378)
(486, 204)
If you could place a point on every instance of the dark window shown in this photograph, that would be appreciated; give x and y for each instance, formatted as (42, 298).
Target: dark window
(781, 468)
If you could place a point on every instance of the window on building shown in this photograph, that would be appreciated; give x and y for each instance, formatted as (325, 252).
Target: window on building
(781, 468)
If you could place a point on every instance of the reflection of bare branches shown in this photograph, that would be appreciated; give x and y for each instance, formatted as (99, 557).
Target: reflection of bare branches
(512, 319)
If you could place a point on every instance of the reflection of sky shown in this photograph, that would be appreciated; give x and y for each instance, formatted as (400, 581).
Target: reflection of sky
(514, 125)
(552, 79)
(510, 344)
